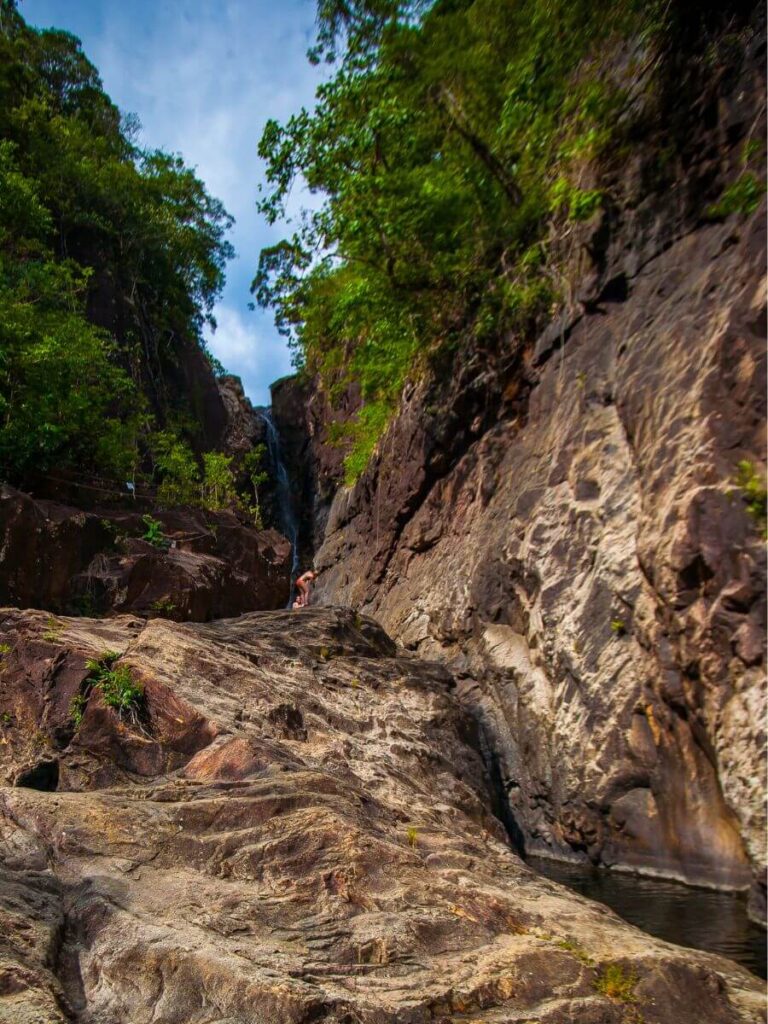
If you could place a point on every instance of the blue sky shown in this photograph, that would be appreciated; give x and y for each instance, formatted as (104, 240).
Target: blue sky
(203, 76)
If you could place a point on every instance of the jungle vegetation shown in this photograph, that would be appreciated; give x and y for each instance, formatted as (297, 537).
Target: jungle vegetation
(111, 259)
(453, 145)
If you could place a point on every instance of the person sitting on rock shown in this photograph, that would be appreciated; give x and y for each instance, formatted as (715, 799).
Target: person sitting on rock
(303, 588)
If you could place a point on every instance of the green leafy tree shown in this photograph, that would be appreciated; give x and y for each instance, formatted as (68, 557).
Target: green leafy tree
(111, 258)
(176, 469)
(451, 148)
(218, 488)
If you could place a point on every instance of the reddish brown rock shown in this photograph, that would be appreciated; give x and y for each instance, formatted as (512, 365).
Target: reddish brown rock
(294, 829)
(210, 565)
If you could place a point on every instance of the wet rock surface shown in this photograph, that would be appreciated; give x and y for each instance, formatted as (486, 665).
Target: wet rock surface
(294, 829)
(204, 565)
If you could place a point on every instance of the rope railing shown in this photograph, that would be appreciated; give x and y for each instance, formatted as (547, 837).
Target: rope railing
(74, 482)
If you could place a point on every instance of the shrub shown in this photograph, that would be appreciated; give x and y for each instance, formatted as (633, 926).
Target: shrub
(176, 469)
(154, 532)
(77, 708)
(118, 688)
(218, 487)
(753, 491)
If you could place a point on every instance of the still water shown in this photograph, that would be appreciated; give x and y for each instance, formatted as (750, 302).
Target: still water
(700, 918)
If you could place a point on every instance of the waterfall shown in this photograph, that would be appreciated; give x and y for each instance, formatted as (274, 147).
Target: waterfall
(285, 510)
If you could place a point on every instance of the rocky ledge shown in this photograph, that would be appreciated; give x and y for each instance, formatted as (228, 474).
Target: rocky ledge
(199, 565)
(290, 824)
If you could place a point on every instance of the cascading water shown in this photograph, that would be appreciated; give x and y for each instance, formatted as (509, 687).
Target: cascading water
(285, 509)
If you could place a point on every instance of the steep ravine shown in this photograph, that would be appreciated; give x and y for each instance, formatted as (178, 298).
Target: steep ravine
(560, 522)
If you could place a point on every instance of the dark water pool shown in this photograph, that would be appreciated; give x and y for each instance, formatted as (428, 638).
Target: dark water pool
(700, 918)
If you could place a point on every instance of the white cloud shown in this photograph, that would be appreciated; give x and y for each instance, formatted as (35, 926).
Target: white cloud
(251, 349)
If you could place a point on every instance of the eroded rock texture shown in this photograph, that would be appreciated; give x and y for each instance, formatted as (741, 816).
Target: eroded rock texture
(292, 829)
(205, 565)
(559, 520)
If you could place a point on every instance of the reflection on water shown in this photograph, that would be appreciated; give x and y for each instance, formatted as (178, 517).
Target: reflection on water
(700, 918)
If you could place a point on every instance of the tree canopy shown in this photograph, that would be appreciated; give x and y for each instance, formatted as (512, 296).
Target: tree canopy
(446, 140)
(111, 258)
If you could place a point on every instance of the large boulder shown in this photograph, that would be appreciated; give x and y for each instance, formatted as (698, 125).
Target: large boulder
(291, 826)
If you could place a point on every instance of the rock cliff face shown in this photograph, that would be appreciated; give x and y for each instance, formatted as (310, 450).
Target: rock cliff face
(562, 524)
(205, 565)
(290, 827)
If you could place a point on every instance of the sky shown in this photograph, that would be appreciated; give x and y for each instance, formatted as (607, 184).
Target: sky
(204, 76)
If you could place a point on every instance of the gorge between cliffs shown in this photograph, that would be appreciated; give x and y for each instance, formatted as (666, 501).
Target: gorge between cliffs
(524, 451)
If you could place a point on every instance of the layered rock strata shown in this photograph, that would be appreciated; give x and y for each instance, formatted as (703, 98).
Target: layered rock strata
(291, 827)
(568, 521)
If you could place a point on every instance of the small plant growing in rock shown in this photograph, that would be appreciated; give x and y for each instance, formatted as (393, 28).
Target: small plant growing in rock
(412, 834)
(119, 690)
(618, 626)
(5, 718)
(741, 196)
(616, 983)
(154, 533)
(77, 708)
(4, 649)
(573, 947)
(52, 629)
(163, 606)
(325, 653)
(753, 491)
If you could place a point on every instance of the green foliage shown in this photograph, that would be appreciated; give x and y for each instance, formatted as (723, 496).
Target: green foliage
(93, 231)
(617, 983)
(254, 467)
(176, 469)
(741, 196)
(4, 649)
(154, 532)
(577, 203)
(163, 606)
(182, 483)
(618, 626)
(52, 630)
(218, 488)
(449, 139)
(364, 432)
(753, 491)
(77, 707)
(578, 951)
(412, 835)
(118, 688)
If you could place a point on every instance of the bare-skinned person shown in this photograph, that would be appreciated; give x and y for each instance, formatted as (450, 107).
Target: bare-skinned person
(304, 589)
